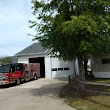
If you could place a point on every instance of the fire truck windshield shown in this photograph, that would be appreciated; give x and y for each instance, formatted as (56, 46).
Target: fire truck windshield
(5, 69)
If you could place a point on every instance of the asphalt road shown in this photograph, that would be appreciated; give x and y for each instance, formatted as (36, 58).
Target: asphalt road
(34, 95)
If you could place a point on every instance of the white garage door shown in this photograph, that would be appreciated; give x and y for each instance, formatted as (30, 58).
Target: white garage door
(61, 68)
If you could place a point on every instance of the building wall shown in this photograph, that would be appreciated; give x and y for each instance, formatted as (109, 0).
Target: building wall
(101, 66)
(48, 67)
(25, 59)
(63, 68)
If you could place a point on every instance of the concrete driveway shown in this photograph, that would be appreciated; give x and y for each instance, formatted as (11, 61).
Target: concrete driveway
(41, 94)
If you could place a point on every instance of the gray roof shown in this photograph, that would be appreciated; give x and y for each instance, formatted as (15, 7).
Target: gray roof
(32, 49)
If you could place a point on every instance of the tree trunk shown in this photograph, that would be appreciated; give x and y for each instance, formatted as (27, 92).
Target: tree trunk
(81, 73)
(85, 69)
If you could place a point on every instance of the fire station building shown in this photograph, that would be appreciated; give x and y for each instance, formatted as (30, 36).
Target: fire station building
(50, 66)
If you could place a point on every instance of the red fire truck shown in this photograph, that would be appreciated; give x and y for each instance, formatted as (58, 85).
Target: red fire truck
(18, 72)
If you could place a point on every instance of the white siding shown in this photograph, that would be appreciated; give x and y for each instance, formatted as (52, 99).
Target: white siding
(48, 67)
(56, 64)
(100, 70)
(25, 59)
(101, 74)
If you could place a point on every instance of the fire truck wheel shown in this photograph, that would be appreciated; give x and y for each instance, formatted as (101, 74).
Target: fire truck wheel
(18, 81)
(35, 77)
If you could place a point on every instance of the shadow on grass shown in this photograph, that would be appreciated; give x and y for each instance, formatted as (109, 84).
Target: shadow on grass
(84, 98)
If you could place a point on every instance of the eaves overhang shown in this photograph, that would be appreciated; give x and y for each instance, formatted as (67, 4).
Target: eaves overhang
(39, 53)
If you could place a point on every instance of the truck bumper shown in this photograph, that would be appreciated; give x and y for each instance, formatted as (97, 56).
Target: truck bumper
(4, 82)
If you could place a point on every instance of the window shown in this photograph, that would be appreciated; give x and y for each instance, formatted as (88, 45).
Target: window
(13, 69)
(21, 67)
(60, 69)
(5, 69)
(17, 68)
(105, 61)
(54, 69)
(66, 68)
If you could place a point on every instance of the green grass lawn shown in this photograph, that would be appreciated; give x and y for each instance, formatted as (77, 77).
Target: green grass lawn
(99, 88)
(107, 81)
(86, 101)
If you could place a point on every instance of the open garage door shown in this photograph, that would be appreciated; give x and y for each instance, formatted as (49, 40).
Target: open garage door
(42, 64)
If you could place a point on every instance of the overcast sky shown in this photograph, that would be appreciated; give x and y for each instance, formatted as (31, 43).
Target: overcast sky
(14, 26)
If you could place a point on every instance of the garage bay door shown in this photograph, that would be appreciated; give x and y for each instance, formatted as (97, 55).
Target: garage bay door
(61, 68)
